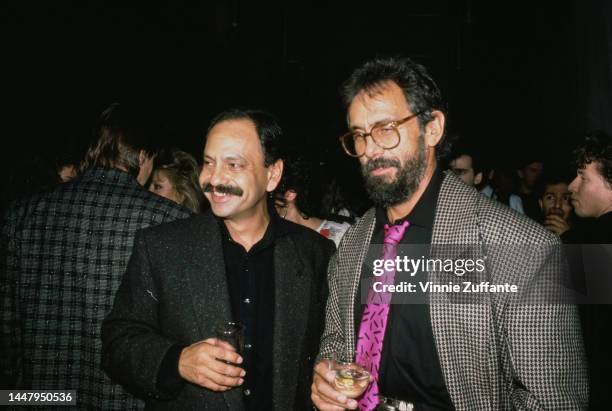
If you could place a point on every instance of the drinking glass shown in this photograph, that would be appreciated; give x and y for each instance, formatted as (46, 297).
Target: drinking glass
(351, 378)
(231, 332)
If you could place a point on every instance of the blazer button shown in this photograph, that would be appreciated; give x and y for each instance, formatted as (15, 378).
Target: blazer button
(247, 392)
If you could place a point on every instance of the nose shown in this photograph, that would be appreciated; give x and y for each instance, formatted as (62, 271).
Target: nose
(372, 150)
(573, 185)
(212, 174)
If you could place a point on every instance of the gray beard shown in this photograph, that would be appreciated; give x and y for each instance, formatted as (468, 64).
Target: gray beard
(386, 194)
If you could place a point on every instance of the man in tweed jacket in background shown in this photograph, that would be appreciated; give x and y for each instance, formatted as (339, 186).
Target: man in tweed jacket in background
(63, 256)
(487, 356)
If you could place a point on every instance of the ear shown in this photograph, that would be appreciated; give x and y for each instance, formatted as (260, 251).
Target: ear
(275, 172)
(142, 157)
(541, 205)
(478, 178)
(434, 130)
(290, 196)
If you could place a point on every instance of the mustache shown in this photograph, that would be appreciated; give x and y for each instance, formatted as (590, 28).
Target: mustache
(381, 162)
(223, 189)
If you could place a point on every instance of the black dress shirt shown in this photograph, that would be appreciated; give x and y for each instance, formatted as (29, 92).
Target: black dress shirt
(250, 276)
(410, 368)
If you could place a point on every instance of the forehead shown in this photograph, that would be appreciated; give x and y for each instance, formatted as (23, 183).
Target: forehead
(561, 188)
(463, 161)
(592, 169)
(160, 175)
(535, 166)
(384, 103)
(233, 138)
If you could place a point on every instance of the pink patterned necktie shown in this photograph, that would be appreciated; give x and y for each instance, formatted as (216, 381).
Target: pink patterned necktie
(374, 319)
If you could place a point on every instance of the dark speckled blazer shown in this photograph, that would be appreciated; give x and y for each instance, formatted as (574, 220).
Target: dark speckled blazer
(62, 257)
(175, 291)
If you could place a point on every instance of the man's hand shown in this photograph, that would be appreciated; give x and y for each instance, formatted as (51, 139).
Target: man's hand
(201, 364)
(556, 224)
(323, 395)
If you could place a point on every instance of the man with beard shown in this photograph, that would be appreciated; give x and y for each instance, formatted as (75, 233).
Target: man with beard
(239, 262)
(495, 354)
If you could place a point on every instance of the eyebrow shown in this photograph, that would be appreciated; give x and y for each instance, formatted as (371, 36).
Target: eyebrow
(383, 121)
(231, 157)
(234, 158)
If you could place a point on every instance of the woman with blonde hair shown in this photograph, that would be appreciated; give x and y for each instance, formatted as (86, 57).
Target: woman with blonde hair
(175, 177)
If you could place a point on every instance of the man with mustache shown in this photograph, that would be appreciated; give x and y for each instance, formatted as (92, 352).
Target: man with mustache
(494, 355)
(237, 262)
(554, 199)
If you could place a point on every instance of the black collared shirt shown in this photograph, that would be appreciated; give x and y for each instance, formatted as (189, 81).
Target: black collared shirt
(250, 277)
(410, 368)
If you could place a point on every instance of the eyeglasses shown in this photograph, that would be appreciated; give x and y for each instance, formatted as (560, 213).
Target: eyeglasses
(385, 135)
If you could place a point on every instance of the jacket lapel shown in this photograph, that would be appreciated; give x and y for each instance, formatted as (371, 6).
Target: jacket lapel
(291, 308)
(207, 287)
(361, 237)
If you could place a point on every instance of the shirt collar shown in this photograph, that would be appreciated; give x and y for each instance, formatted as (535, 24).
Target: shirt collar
(108, 175)
(277, 227)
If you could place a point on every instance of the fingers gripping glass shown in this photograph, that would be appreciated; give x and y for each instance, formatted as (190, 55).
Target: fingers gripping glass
(385, 135)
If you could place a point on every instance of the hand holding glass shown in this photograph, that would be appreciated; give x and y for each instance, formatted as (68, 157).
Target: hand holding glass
(233, 333)
(351, 378)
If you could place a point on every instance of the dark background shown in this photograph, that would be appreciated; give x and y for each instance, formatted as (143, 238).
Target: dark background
(518, 76)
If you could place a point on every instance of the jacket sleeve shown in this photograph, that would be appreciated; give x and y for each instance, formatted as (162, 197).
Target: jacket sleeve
(545, 346)
(333, 336)
(11, 355)
(133, 347)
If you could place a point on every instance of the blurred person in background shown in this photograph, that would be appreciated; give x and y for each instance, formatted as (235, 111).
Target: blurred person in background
(591, 194)
(592, 188)
(175, 177)
(501, 188)
(554, 199)
(63, 254)
(67, 166)
(299, 197)
(465, 161)
(529, 173)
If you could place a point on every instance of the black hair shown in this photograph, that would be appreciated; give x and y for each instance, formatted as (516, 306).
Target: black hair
(420, 90)
(461, 147)
(552, 176)
(302, 176)
(596, 147)
(530, 157)
(268, 129)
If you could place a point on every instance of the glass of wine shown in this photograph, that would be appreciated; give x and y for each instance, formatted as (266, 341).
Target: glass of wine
(231, 332)
(351, 378)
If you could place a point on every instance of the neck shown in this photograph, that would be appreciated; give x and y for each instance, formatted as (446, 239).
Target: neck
(403, 209)
(248, 230)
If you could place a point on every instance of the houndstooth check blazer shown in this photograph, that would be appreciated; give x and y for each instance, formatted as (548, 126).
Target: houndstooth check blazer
(63, 256)
(494, 356)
